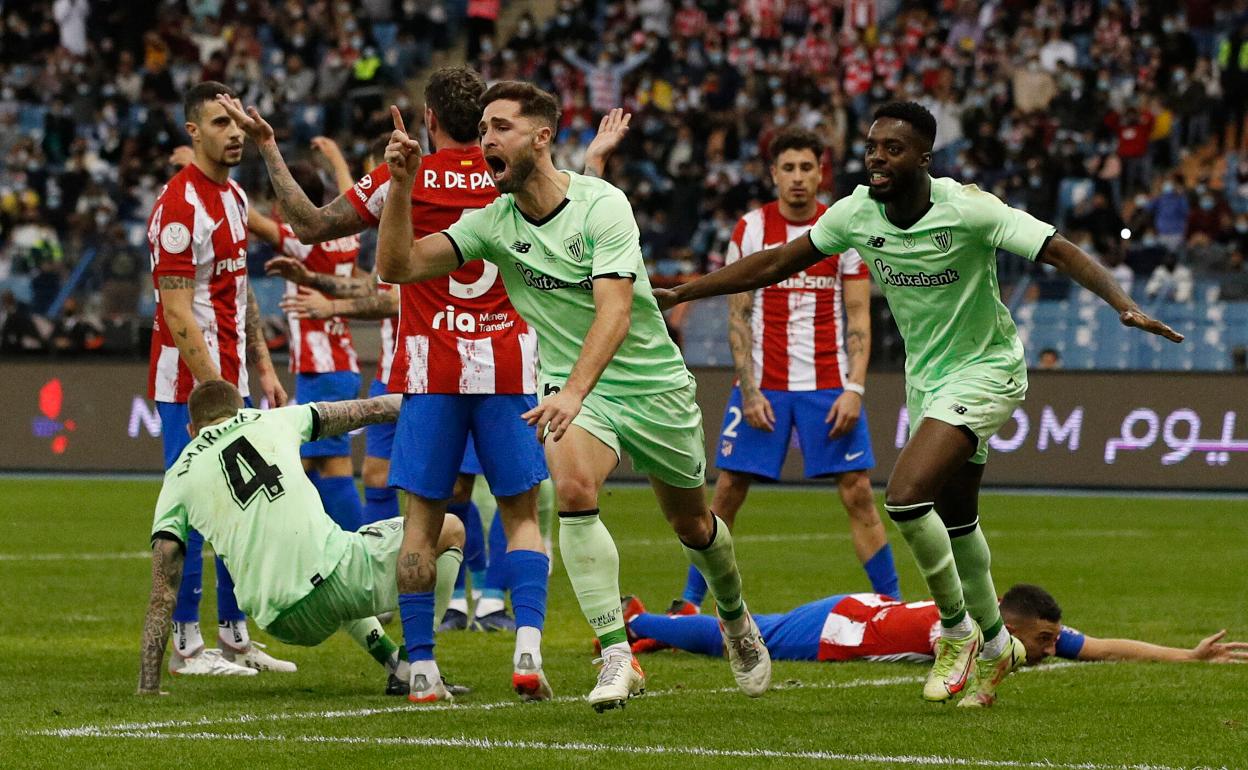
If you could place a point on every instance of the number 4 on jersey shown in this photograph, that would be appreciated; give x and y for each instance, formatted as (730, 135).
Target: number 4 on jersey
(240, 458)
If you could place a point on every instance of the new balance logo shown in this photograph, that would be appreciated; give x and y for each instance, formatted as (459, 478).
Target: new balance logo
(521, 247)
(875, 242)
(958, 408)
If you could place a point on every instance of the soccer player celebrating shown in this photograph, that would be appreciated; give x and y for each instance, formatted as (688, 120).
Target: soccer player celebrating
(931, 245)
(322, 355)
(797, 370)
(467, 363)
(874, 627)
(567, 248)
(240, 481)
(206, 327)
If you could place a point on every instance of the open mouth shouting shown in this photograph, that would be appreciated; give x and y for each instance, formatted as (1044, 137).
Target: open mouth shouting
(498, 167)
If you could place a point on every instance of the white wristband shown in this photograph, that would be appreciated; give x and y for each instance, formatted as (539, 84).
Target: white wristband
(854, 387)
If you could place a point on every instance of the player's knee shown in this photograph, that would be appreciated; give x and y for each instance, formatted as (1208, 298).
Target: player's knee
(376, 472)
(858, 497)
(453, 534)
(693, 531)
(901, 493)
(576, 493)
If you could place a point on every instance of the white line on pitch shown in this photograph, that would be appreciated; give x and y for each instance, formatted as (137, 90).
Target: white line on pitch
(75, 556)
(489, 744)
(95, 730)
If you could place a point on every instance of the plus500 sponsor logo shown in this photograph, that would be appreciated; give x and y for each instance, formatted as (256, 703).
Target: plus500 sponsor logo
(804, 281)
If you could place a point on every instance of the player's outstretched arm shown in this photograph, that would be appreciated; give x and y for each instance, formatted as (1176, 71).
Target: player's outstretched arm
(316, 306)
(166, 574)
(177, 296)
(295, 271)
(332, 153)
(258, 355)
(1092, 275)
(611, 131)
(342, 416)
(762, 268)
(399, 259)
(264, 228)
(1211, 650)
(311, 223)
(613, 306)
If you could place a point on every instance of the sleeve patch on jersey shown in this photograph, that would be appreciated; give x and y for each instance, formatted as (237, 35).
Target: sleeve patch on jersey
(175, 237)
(316, 423)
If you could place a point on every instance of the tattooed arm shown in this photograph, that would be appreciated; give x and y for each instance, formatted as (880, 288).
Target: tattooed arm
(342, 416)
(845, 411)
(177, 296)
(1092, 275)
(310, 304)
(334, 285)
(166, 574)
(311, 223)
(755, 407)
(258, 354)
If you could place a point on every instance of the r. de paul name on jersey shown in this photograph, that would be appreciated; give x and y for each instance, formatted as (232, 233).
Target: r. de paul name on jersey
(897, 278)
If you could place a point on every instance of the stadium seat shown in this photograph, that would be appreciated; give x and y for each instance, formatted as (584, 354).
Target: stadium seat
(706, 333)
(269, 291)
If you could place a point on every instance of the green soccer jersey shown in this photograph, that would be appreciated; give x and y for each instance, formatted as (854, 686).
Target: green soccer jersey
(940, 275)
(549, 266)
(242, 485)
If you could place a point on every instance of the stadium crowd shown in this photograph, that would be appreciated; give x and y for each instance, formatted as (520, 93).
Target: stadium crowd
(1121, 122)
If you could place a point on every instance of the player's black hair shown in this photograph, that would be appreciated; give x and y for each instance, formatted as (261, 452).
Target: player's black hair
(1031, 601)
(795, 138)
(454, 94)
(913, 113)
(535, 103)
(211, 401)
(307, 177)
(377, 150)
(199, 93)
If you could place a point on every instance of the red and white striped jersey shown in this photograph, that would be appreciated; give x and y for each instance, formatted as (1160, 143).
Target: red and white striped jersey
(457, 334)
(796, 323)
(875, 627)
(198, 229)
(324, 345)
(389, 332)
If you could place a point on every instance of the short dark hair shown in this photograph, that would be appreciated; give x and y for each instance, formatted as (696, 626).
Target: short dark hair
(199, 93)
(913, 113)
(211, 401)
(795, 138)
(307, 177)
(454, 93)
(377, 150)
(1031, 601)
(534, 102)
(1051, 351)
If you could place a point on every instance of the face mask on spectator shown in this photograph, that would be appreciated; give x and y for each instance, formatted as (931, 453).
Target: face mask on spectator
(1201, 188)
(1206, 203)
(1168, 187)
(1241, 226)
(1150, 241)
(1141, 201)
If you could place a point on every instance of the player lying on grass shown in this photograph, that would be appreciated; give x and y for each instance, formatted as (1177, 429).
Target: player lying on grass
(241, 483)
(874, 627)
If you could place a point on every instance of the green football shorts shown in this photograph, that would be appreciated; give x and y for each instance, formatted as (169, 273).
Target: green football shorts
(363, 584)
(979, 399)
(661, 432)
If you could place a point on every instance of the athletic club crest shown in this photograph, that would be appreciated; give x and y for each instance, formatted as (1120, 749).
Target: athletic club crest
(943, 239)
(575, 246)
(907, 240)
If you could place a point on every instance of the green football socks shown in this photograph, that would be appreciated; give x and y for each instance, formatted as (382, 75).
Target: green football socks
(593, 566)
(718, 564)
(970, 551)
(448, 570)
(929, 542)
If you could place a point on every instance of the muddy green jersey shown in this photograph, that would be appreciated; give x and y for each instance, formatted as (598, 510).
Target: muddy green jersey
(939, 276)
(549, 267)
(241, 484)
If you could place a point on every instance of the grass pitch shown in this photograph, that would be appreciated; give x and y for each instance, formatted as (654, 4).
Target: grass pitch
(74, 581)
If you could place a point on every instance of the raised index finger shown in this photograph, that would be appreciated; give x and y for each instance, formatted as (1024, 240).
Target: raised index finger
(398, 118)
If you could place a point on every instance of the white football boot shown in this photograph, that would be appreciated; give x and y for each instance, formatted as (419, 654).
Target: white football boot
(749, 658)
(619, 679)
(206, 662)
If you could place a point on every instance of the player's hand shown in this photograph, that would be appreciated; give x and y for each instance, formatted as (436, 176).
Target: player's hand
(403, 152)
(308, 304)
(843, 415)
(611, 131)
(1213, 650)
(181, 156)
(289, 268)
(272, 388)
(758, 412)
(666, 298)
(329, 149)
(1140, 320)
(554, 415)
(255, 127)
